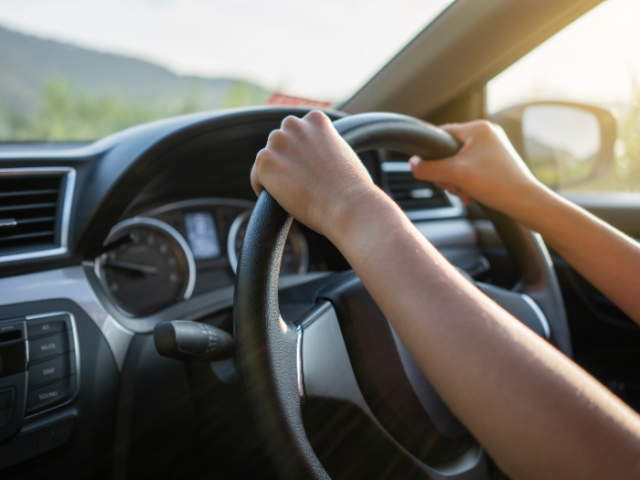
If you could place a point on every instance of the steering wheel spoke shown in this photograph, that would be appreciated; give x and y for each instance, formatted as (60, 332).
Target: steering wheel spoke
(327, 374)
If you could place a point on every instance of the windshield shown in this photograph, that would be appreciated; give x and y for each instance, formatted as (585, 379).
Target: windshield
(77, 70)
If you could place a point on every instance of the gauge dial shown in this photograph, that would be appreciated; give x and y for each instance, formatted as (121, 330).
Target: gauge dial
(146, 265)
(295, 257)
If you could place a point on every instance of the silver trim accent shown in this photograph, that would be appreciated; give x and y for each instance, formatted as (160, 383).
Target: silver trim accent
(455, 210)
(66, 211)
(231, 239)
(420, 193)
(76, 350)
(69, 283)
(329, 374)
(233, 233)
(539, 313)
(159, 224)
(395, 167)
(299, 371)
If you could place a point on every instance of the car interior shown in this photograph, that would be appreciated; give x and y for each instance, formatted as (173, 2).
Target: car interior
(141, 336)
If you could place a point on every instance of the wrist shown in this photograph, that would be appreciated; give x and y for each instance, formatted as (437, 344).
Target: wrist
(532, 205)
(356, 226)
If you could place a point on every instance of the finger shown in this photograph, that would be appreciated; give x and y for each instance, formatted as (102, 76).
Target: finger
(256, 185)
(277, 139)
(317, 117)
(456, 129)
(476, 128)
(291, 124)
(466, 199)
(433, 170)
(452, 189)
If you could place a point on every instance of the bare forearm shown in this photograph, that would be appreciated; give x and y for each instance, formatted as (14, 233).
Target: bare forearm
(517, 394)
(607, 258)
(537, 413)
(489, 170)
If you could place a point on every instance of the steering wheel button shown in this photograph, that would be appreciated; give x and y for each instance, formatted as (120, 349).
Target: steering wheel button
(49, 371)
(47, 347)
(50, 395)
(38, 328)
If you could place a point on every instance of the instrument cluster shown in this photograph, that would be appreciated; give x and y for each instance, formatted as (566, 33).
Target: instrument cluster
(170, 253)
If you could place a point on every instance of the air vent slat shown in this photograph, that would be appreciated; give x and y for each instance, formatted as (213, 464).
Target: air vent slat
(419, 200)
(31, 211)
(411, 194)
(27, 207)
(27, 235)
(36, 220)
(28, 192)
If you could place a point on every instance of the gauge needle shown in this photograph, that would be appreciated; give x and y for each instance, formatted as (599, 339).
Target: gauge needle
(136, 267)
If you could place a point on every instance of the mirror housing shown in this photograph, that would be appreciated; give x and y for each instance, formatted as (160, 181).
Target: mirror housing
(564, 144)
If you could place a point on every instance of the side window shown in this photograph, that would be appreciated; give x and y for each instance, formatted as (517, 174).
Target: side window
(594, 61)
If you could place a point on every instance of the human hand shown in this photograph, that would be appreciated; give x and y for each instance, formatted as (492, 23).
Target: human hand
(311, 172)
(487, 168)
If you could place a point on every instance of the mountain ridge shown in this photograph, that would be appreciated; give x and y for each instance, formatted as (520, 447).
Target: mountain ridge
(28, 62)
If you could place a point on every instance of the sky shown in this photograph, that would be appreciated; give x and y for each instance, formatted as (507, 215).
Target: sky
(327, 49)
(323, 50)
(593, 60)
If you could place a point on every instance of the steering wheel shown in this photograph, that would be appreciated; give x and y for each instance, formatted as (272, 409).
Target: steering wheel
(329, 339)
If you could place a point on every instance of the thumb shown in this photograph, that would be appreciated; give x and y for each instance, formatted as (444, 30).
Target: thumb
(432, 170)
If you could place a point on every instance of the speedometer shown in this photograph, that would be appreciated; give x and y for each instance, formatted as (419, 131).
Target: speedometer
(146, 265)
(295, 257)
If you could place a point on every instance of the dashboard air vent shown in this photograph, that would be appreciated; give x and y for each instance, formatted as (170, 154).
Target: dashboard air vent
(34, 212)
(419, 199)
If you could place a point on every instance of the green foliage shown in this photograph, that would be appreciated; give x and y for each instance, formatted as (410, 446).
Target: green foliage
(243, 94)
(68, 113)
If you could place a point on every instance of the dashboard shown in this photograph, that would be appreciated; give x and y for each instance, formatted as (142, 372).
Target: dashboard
(101, 242)
(175, 251)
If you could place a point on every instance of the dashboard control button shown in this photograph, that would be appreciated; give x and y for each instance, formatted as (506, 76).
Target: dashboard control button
(5, 417)
(55, 435)
(49, 370)
(49, 395)
(7, 397)
(46, 326)
(48, 347)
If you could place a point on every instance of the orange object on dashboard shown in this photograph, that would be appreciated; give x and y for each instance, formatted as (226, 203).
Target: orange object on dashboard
(278, 99)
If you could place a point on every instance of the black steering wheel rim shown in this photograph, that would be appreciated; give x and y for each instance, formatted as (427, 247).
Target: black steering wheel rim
(266, 344)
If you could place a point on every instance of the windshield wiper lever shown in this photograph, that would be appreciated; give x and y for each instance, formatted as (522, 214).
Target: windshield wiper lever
(185, 340)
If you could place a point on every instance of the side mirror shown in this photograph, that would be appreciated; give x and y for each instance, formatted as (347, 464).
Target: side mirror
(564, 144)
